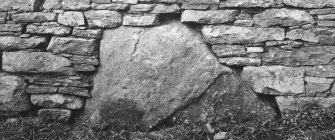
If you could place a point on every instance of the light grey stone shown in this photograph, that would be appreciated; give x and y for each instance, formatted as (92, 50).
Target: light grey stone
(209, 17)
(71, 18)
(69, 45)
(103, 18)
(57, 101)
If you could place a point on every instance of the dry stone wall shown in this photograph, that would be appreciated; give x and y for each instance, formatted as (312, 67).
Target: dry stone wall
(51, 50)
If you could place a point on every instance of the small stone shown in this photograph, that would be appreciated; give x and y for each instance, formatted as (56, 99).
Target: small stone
(126, 1)
(34, 62)
(140, 20)
(220, 136)
(89, 60)
(101, 1)
(3, 17)
(52, 4)
(74, 91)
(59, 115)
(163, 8)
(209, 128)
(84, 68)
(36, 89)
(282, 17)
(235, 34)
(34, 17)
(255, 49)
(93, 34)
(323, 11)
(54, 30)
(76, 4)
(103, 19)
(321, 71)
(13, 98)
(15, 43)
(240, 61)
(209, 17)
(250, 3)
(275, 80)
(228, 50)
(289, 104)
(10, 28)
(71, 18)
(195, 6)
(69, 45)
(140, 8)
(112, 6)
(326, 17)
(326, 23)
(247, 23)
(57, 101)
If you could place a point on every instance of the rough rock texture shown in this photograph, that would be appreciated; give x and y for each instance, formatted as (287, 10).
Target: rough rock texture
(34, 62)
(316, 35)
(282, 17)
(34, 17)
(227, 95)
(209, 17)
(16, 43)
(288, 104)
(235, 34)
(59, 115)
(140, 20)
(70, 45)
(17, 5)
(147, 81)
(250, 3)
(103, 18)
(275, 80)
(54, 30)
(310, 3)
(71, 18)
(76, 4)
(57, 101)
(13, 98)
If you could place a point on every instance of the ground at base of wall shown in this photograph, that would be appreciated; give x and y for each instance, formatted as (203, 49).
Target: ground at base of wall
(311, 124)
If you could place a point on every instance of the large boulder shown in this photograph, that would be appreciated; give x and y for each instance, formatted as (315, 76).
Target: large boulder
(146, 74)
(228, 95)
(13, 98)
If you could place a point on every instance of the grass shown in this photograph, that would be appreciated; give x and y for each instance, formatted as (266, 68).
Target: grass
(310, 124)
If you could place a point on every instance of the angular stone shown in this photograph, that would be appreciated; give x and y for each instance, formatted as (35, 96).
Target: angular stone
(15, 43)
(289, 104)
(89, 60)
(12, 95)
(235, 34)
(101, 1)
(37, 89)
(163, 8)
(282, 17)
(240, 61)
(250, 3)
(326, 17)
(59, 115)
(228, 50)
(195, 6)
(54, 30)
(317, 86)
(140, 8)
(71, 45)
(227, 96)
(3, 17)
(140, 20)
(34, 17)
(34, 62)
(208, 2)
(247, 23)
(103, 19)
(17, 5)
(209, 17)
(60, 80)
(255, 50)
(322, 71)
(76, 4)
(275, 80)
(93, 34)
(126, 1)
(52, 4)
(112, 6)
(317, 35)
(323, 11)
(71, 18)
(309, 56)
(74, 91)
(57, 101)
(326, 23)
(10, 28)
(148, 82)
(310, 3)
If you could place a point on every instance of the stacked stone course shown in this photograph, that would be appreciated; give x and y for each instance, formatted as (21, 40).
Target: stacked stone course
(50, 48)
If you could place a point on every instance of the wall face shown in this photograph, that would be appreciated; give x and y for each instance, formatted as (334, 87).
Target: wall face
(112, 54)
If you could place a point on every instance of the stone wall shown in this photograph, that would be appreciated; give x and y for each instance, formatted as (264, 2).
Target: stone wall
(280, 49)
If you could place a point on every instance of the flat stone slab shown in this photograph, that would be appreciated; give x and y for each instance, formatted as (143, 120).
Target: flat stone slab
(57, 101)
